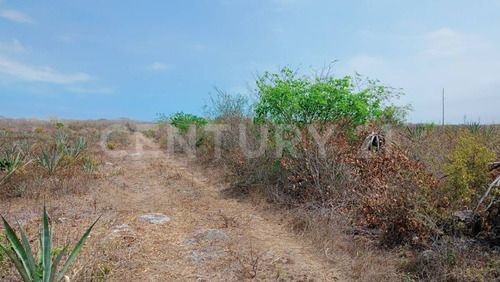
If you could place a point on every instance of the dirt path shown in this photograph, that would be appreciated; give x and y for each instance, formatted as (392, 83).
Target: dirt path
(206, 237)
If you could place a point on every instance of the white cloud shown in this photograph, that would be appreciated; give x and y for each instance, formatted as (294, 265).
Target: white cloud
(446, 42)
(13, 46)
(21, 71)
(102, 90)
(16, 16)
(158, 66)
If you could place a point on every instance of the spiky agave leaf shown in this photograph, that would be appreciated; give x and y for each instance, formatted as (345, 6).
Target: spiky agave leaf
(22, 256)
(55, 263)
(17, 263)
(76, 250)
(29, 254)
(19, 258)
(46, 247)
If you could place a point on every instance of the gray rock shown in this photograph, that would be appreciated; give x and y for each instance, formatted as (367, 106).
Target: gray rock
(466, 223)
(426, 257)
(154, 218)
(210, 235)
(207, 253)
(122, 227)
(190, 242)
(255, 217)
(203, 236)
(465, 216)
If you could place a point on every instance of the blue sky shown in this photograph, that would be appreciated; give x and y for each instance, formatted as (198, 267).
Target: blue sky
(111, 59)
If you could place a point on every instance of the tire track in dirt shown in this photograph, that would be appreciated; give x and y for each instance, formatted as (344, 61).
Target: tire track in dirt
(257, 246)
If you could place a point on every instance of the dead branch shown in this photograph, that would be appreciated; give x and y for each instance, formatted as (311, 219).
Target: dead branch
(493, 184)
(494, 165)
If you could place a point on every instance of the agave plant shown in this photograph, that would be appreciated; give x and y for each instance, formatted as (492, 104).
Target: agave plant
(10, 162)
(473, 126)
(45, 268)
(89, 164)
(74, 148)
(50, 160)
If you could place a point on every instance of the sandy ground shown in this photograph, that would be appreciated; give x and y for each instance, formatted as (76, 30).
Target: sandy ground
(208, 238)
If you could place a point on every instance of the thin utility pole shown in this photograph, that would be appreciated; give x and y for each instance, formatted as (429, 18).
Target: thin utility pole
(443, 106)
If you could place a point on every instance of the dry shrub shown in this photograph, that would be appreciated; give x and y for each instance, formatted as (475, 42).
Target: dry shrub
(117, 139)
(345, 246)
(396, 197)
(455, 259)
(384, 190)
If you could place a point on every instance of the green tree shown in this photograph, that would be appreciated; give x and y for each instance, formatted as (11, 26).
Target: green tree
(287, 98)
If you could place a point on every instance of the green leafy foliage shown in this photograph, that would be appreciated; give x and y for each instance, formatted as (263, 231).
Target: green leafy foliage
(183, 121)
(467, 171)
(110, 146)
(286, 98)
(45, 268)
(394, 115)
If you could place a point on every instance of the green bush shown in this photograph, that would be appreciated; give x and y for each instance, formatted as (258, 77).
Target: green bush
(285, 98)
(182, 120)
(468, 174)
(148, 133)
(110, 146)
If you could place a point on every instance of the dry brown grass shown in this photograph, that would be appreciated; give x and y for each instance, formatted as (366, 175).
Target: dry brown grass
(270, 237)
(144, 180)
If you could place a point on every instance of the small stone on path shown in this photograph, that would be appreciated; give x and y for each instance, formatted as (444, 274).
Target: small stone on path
(154, 218)
(211, 235)
(208, 235)
(120, 228)
(206, 253)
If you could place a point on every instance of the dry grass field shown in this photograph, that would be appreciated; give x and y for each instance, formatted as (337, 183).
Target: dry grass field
(208, 237)
(215, 227)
